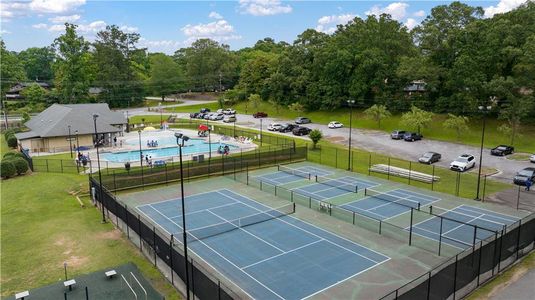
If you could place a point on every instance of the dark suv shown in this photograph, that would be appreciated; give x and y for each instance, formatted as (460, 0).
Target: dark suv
(412, 136)
(301, 131)
(523, 175)
(502, 150)
(288, 127)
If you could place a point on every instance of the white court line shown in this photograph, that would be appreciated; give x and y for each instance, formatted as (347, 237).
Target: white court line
(360, 209)
(478, 217)
(434, 216)
(417, 193)
(302, 229)
(286, 252)
(491, 213)
(154, 222)
(178, 199)
(463, 224)
(339, 282)
(309, 194)
(234, 265)
(204, 210)
(253, 235)
(167, 218)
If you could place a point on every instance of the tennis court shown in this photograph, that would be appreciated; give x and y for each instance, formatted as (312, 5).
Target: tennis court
(463, 225)
(326, 188)
(390, 204)
(265, 251)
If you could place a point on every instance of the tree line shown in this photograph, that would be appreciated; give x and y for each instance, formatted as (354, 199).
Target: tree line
(460, 58)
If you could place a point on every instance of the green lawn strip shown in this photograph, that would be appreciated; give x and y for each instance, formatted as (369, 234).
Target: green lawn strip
(4, 148)
(519, 156)
(435, 130)
(487, 290)
(43, 226)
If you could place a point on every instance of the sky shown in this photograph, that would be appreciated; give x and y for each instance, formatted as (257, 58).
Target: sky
(166, 26)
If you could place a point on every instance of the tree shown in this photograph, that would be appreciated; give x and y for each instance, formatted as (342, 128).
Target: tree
(513, 113)
(315, 135)
(72, 70)
(297, 107)
(416, 118)
(112, 57)
(38, 63)
(254, 99)
(11, 70)
(25, 117)
(166, 76)
(34, 93)
(377, 113)
(457, 123)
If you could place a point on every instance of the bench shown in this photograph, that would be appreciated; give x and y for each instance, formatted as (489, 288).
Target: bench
(110, 273)
(21, 295)
(325, 206)
(69, 283)
(401, 172)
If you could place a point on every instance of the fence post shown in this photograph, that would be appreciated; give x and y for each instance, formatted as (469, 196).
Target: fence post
(479, 263)
(192, 278)
(518, 198)
(410, 231)
(61, 165)
(484, 187)
(154, 243)
(410, 171)
(388, 173)
(46, 160)
(369, 163)
(127, 225)
(500, 251)
(518, 238)
(114, 183)
(171, 259)
(166, 177)
(139, 233)
(455, 275)
(336, 158)
(433, 179)
(440, 236)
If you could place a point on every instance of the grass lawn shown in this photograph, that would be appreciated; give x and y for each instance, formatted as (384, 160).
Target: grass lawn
(435, 130)
(3, 146)
(519, 156)
(502, 281)
(42, 226)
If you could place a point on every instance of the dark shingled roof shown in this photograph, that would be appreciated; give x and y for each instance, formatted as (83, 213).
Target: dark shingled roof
(54, 121)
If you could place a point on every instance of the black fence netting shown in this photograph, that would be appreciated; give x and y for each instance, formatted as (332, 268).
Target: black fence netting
(469, 269)
(166, 248)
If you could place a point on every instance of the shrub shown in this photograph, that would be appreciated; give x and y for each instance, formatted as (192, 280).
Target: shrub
(13, 154)
(7, 169)
(12, 141)
(21, 165)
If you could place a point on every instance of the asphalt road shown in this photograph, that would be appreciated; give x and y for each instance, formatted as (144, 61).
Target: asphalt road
(380, 142)
(522, 288)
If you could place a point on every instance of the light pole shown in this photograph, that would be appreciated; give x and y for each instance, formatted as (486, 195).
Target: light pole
(484, 110)
(77, 143)
(350, 103)
(180, 139)
(95, 116)
(70, 143)
(209, 141)
(261, 137)
(140, 154)
(65, 268)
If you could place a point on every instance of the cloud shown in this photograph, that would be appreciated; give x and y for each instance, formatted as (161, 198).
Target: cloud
(3, 31)
(219, 31)
(56, 28)
(264, 7)
(92, 27)
(64, 19)
(419, 13)
(40, 26)
(165, 46)
(503, 7)
(398, 10)
(55, 6)
(327, 24)
(411, 23)
(129, 29)
(215, 15)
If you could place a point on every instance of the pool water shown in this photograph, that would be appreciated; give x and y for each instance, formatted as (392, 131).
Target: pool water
(193, 146)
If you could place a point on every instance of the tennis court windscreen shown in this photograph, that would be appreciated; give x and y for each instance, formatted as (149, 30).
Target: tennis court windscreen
(226, 226)
(337, 184)
(295, 172)
(391, 198)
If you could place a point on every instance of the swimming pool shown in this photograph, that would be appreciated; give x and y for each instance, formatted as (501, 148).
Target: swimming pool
(164, 139)
(193, 146)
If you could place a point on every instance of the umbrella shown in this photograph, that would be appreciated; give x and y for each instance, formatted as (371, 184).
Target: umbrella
(149, 128)
(203, 127)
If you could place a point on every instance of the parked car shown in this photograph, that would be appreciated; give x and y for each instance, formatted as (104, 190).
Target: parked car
(430, 157)
(335, 124)
(219, 111)
(523, 175)
(463, 163)
(274, 126)
(193, 115)
(532, 158)
(302, 120)
(229, 118)
(229, 111)
(260, 114)
(301, 130)
(205, 110)
(208, 116)
(200, 116)
(502, 150)
(412, 136)
(397, 134)
(217, 116)
(286, 127)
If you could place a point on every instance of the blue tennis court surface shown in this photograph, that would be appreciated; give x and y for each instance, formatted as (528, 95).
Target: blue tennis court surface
(389, 204)
(334, 187)
(315, 171)
(280, 258)
(461, 233)
(278, 178)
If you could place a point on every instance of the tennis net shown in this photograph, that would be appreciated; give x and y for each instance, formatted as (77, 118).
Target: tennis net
(339, 184)
(392, 198)
(220, 228)
(295, 172)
